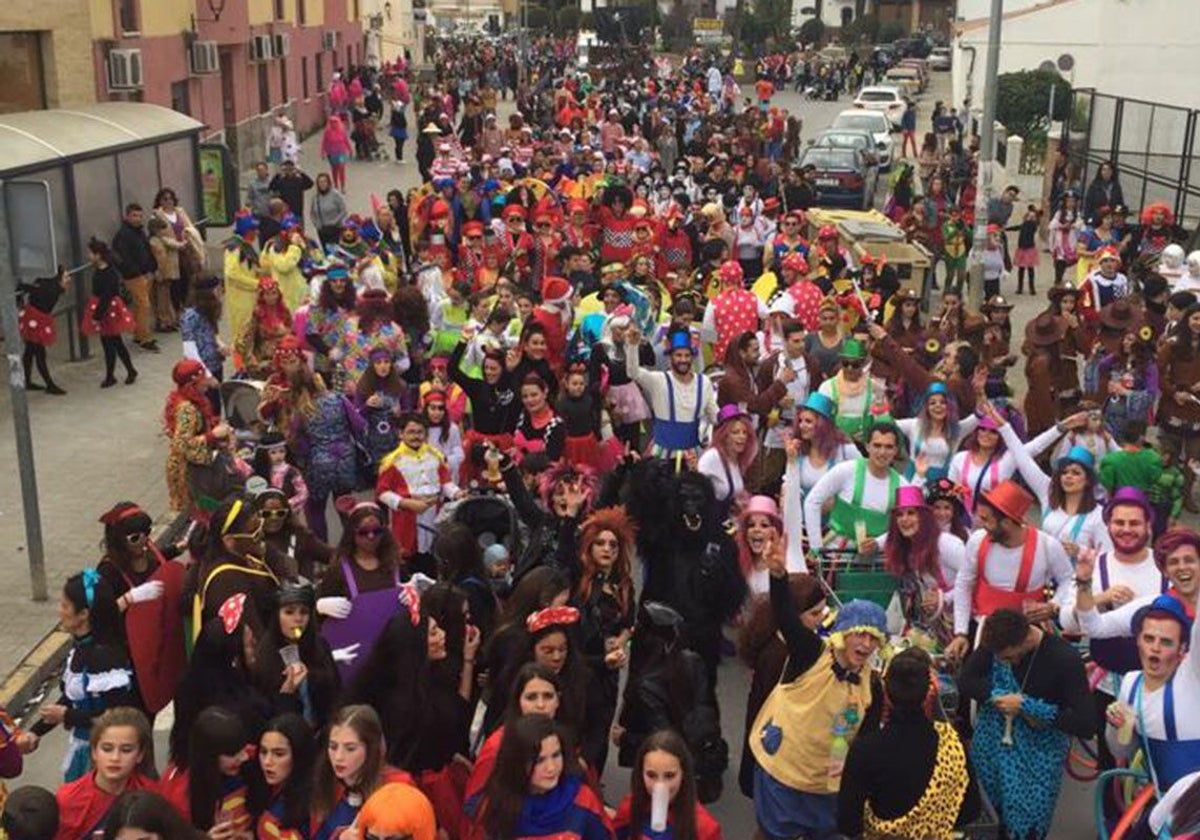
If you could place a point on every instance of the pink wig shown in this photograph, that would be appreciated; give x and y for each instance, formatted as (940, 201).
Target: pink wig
(826, 437)
(720, 437)
(563, 471)
(918, 555)
(745, 559)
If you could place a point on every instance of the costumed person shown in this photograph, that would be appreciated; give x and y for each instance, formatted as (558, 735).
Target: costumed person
(984, 461)
(662, 801)
(537, 790)
(826, 694)
(934, 433)
(626, 406)
(148, 587)
(282, 257)
(859, 398)
(726, 460)
(122, 752)
(579, 408)
(359, 594)
(1032, 696)
(398, 810)
(233, 563)
(349, 771)
(911, 778)
(271, 464)
(682, 401)
(269, 323)
(97, 675)
(539, 428)
(241, 271)
(925, 561)
(413, 482)
(495, 407)
(325, 434)
(37, 325)
(281, 788)
(327, 317)
(1104, 285)
(380, 397)
(106, 314)
(733, 311)
(1179, 410)
(759, 525)
(370, 326)
(555, 316)
(1008, 565)
(290, 544)
(863, 491)
(194, 430)
(444, 432)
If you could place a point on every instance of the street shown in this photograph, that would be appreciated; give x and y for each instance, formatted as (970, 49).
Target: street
(95, 447)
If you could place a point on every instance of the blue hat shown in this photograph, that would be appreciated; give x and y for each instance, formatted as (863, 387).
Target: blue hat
(682, 340)
(244, 223)
(369, 231)
(1078, 455)
(337, 270)
(937, 388)
(859, 616)
(821, 404)
(1164, 604)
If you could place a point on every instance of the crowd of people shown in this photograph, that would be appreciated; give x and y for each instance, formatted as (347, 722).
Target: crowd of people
(591, 403)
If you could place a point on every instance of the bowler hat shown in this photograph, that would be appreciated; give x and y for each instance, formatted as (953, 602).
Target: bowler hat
(1010, 499)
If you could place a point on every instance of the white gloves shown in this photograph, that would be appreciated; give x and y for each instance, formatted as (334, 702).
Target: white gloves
(151, 590)
(335, 607)
(347, 654)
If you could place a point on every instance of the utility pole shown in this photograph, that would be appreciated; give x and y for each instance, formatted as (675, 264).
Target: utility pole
(14, 347)
(987, 154)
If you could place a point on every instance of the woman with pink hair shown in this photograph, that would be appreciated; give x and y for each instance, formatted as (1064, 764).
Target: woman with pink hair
(925, 561)
(760, 530)
(336, 147)
(815, 446)
(730, 454)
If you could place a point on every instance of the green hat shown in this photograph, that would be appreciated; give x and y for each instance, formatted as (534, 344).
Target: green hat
(853, 349)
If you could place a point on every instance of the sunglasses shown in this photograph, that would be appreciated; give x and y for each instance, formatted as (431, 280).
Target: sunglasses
(854, 365)
(137, 538)
(369, 533)
(274, 514)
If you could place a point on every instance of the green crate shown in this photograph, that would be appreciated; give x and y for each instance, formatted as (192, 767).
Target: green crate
(874, 586)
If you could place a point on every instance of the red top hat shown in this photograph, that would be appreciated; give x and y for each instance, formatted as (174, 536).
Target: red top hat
(1010, 499)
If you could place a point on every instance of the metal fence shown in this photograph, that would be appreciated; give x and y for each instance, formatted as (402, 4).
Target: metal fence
(1154, 146)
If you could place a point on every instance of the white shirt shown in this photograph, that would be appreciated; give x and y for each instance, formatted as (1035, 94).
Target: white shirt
(839, 481)
(951, 555)
(714, 466)
(937, 449)
(964, 470)
(1160, 817)
(1050, 564)
(1143, 577)
(654, 387)
(801, 476)
(797, 389)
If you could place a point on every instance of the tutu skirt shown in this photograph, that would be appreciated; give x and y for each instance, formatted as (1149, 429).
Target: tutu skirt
(600, 455)
(1026, 258)
(628, 404)
(37, 327)
(118, 319)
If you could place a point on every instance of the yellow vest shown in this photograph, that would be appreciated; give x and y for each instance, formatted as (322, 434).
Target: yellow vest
(933, 817)
(807, 710)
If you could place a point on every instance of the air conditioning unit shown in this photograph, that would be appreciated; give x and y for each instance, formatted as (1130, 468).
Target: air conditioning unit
(262, 48)
(205, 58)
(282, 45)
(125, 70)
(329, 40)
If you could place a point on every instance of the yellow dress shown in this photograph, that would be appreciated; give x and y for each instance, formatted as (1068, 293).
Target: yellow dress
(284, 266)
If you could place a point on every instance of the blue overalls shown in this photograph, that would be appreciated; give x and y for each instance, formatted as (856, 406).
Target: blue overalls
(672, 435)
(1170, 759)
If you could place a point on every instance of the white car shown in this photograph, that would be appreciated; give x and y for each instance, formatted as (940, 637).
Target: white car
(883, 98)
(939, 58)
(876, 124)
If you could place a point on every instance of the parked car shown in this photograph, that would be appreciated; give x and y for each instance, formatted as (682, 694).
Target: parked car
(844, 177)
(908, 79)
(939, 58)
(874, 122)
(883, 98)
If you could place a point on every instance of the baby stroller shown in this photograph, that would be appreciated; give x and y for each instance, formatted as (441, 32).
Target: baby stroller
(491, 517)
(366, 144)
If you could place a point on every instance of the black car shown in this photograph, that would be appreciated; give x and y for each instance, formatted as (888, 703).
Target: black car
(844, 176)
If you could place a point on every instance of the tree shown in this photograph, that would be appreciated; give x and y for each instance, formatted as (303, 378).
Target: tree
(567, 19)
(1023, 101)
(812, 31)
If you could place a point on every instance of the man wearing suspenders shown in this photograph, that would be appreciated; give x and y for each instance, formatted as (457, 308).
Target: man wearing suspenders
(1008, 565)
(684, 403)
(857, 396)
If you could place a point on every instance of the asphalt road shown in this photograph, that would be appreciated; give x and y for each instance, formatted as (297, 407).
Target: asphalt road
(735, 812)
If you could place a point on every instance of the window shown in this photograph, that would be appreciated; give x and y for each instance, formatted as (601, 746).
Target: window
(304, 74)
(127, 16)
(320, 72)
(24, 87)
(302, 12)
(280, 11)
(180, 97)
(283, 79)
(264, 87)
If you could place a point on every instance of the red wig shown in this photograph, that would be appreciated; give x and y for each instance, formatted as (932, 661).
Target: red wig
(188, 374)
(374, 309)
(271, 317)
(616, 520)
(561, 472)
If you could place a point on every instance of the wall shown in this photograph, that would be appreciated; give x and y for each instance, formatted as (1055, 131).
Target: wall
(66, 45)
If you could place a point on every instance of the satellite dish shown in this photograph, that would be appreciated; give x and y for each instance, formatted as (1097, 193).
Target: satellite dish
(1048, 66)
(1066, 62)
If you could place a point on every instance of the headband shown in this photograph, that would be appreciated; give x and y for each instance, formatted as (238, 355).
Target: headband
(115, 515)
(549, 617)
(234, 511)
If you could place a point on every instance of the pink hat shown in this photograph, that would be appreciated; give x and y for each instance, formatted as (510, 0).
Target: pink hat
(730, 411)
(987, 422)
(764, 506)
(909, 496)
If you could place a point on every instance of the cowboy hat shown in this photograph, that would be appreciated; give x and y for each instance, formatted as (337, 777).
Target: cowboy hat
(1045, 329)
